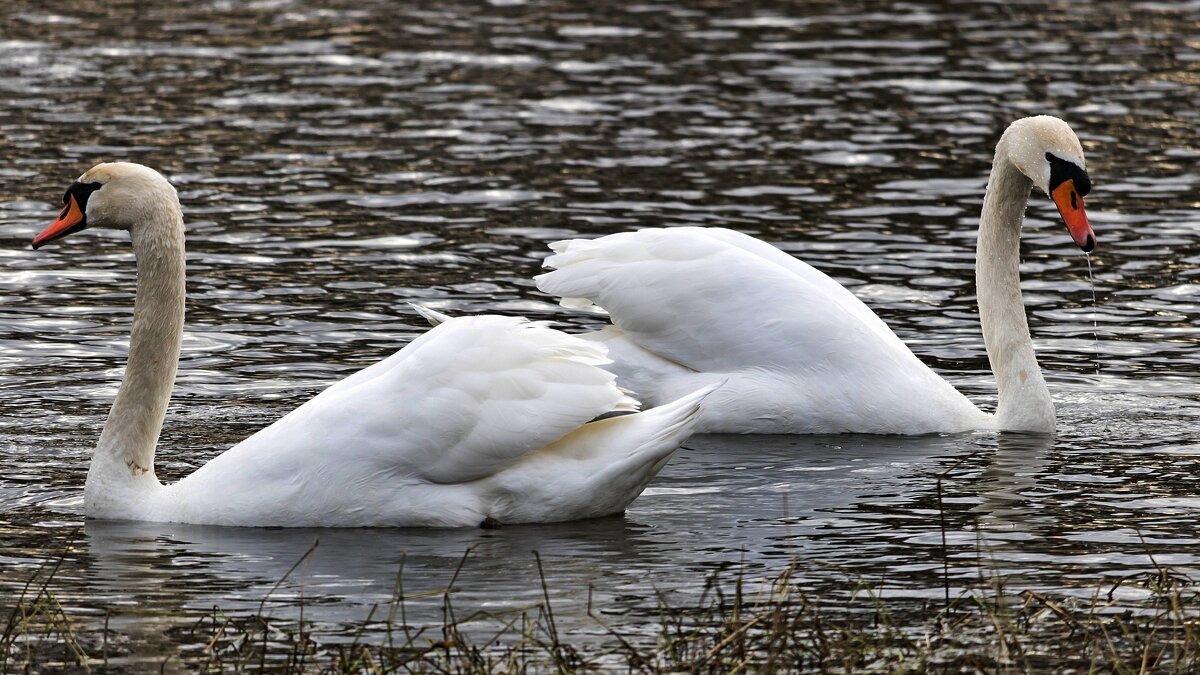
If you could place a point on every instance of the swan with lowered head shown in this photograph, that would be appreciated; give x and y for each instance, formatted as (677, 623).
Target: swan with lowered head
(798, 352)
(482, 420)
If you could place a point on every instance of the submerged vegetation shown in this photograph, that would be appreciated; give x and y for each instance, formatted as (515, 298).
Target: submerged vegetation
(738, 624)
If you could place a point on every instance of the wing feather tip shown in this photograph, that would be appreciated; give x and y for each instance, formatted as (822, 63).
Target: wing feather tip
(434, 318)
(628, 402)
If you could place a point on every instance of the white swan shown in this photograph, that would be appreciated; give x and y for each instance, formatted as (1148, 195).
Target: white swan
(801, 354)
(481, 420)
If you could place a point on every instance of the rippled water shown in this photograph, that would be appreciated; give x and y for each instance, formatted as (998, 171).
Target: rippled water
(337, 160)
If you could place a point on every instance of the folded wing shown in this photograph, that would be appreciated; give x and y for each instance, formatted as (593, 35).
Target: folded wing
(467, 399)
(716, 300)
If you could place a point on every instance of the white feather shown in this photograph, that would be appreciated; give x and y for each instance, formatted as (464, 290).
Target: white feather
(799, 352)
(481, 417)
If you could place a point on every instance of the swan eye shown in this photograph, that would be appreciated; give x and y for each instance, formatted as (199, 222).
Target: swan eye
(1063, 170)
(81, 192)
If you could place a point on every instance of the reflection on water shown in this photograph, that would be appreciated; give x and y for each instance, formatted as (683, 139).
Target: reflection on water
(338, 159)
(1008, 481)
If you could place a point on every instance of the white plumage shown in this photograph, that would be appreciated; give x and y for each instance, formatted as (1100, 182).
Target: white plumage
(480, 418)
(798, 352)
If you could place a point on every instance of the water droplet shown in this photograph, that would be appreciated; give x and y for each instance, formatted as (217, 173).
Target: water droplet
(1095, 321)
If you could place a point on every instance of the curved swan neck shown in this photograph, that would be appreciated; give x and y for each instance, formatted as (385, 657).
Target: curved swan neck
(1024, 401)
(125, 451)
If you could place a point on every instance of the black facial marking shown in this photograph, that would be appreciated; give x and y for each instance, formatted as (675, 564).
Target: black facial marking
(81, 191)
(1062, 171)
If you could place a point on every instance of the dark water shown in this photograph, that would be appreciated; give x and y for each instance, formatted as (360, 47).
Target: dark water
(337, 160)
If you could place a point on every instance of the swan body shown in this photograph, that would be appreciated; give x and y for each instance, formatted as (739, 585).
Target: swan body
(797, 352)
(482, 419)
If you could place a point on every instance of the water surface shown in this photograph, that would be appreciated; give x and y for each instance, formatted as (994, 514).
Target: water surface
(338, 160)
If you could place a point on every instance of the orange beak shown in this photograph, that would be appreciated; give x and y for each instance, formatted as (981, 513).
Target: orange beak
(1070, 207)
(72, 219)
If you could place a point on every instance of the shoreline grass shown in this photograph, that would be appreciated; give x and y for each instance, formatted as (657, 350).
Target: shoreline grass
(736, 625)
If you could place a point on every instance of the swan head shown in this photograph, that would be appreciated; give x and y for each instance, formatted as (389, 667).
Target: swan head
(1048, 152)
(118, 195)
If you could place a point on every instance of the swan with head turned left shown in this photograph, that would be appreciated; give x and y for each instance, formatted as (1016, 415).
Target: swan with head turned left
(481, 420)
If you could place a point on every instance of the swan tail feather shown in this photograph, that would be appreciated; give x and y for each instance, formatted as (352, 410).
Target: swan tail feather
(624, 454)
(679, 416)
